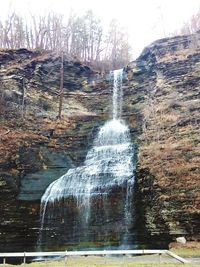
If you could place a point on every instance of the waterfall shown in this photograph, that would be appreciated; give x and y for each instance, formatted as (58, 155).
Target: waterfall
(117, 93)
(87, 197)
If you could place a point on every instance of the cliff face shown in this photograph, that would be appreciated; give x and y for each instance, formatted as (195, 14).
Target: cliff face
(168, 160)
(36, 147)
(161, 106)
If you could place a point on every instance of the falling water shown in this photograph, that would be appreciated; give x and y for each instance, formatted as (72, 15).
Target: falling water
(86, 195)
(117, 94)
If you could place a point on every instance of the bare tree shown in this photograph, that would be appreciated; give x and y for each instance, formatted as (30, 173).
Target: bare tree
(81, 37)
(191, 26)
(61, 93)
(23, 98)
(117, 51)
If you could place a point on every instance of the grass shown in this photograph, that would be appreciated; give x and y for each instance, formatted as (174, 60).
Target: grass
(93, 263)
(138, 261)
(187, 252)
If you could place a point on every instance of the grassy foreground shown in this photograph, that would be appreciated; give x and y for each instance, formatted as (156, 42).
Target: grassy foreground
(89, 264)
(138, 261)
(187, 252)
(92, 263)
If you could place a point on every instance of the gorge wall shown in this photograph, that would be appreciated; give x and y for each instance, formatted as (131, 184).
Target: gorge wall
(161, 106)
(168, 160)
(38, 147)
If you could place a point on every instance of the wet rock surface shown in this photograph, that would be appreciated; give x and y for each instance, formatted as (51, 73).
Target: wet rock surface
(36, 147)
(161, 106)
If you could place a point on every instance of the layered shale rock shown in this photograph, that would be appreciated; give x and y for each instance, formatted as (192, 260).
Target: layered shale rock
(161, 105)
(36, 147)
(168, 71)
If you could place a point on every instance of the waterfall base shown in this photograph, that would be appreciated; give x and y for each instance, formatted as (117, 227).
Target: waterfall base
(106, 227)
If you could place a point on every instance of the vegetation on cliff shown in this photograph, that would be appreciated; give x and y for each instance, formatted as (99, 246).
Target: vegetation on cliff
(168, 159)
(161, 106)
(79, 37)
(37, 147)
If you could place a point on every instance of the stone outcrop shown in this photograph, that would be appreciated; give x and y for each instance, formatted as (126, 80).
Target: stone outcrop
(161, 90)
(36, 147)
(168, 159)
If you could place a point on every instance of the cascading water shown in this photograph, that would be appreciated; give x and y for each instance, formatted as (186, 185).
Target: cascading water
(93, 202)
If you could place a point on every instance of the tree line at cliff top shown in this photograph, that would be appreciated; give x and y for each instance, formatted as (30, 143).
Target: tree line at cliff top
(191, 26)
(80, 37)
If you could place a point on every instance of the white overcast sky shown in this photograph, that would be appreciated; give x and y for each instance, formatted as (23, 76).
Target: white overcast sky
(145, 20)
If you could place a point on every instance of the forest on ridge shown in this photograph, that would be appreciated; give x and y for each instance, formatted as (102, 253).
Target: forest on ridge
(81, 37)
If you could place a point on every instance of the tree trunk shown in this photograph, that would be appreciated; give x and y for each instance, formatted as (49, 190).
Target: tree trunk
(61, 87)
(23, 98)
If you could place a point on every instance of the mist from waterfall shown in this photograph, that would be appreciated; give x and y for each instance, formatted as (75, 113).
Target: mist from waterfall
(85, 195)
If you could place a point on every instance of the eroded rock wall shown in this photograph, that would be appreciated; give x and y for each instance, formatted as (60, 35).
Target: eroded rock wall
(168, 72)
(161, 106)
(36, 147)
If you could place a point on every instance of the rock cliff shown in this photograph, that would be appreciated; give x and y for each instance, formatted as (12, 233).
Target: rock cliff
(161, 105)
(36, 147)
(168, 71)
